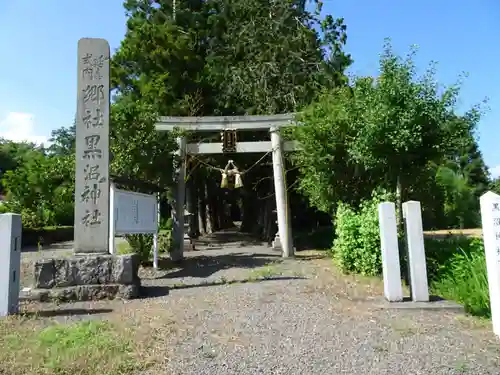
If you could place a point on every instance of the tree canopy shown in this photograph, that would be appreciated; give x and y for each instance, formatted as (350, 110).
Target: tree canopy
(393, 131)
(399, 131)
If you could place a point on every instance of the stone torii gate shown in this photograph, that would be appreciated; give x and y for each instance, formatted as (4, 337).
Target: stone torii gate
(283, 237)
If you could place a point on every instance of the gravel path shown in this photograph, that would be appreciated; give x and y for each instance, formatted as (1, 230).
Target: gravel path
(245, 311)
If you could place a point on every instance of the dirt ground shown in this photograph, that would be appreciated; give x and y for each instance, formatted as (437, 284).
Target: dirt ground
(242, 309)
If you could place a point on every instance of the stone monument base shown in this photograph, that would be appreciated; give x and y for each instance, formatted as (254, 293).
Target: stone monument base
(86, 277)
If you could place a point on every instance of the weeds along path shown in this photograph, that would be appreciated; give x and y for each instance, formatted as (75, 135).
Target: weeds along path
(243, 310)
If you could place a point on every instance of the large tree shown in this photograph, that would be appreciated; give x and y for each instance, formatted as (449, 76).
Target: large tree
(228, 57)
(382, 132)
(63, 141)
(217, 57)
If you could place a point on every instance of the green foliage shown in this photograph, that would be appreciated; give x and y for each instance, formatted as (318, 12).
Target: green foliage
(14, 154)
(165, 236)
(216, 57)
(404, 120)
(139, 151)
(166, 223)
(165, 241)
(317, 239)
(356, 247)
(398, 131)
(41, 189)
(495, 185)
(46, 235)
(86, 348)
(460, 202)
(63, 141)
(142, 245)
(458, 272)
(440, 251)
(210, 60)
(328, 175)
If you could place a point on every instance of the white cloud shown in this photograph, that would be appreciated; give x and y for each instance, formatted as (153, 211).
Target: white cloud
(18, 127)
(495, 171)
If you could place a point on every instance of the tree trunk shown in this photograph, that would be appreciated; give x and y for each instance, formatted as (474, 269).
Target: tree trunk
(249, 214)
(202, 209)
(192, 206)
(269, 221)
(212, 221)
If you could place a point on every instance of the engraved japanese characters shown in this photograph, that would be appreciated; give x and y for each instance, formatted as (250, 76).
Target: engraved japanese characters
(92, 147)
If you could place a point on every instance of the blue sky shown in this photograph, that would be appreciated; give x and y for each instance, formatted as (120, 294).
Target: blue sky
(38, 41)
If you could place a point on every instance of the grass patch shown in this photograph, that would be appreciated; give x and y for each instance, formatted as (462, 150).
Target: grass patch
(461, 275)
(474, 322)
(123, 248)
(265, 272)
(81, 348)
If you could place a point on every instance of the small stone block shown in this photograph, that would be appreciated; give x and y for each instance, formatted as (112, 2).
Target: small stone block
(44, 271)
(188, 244)
(276, 244)
(126, 269)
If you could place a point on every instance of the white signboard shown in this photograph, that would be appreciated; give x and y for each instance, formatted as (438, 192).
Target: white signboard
(133, 213)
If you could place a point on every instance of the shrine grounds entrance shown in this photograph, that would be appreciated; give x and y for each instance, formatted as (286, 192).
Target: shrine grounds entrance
(229, 128)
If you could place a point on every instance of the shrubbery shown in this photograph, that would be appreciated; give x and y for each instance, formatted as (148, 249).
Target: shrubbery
(457, 271)
(356, 247)
(142, 244)
(47, 235)
(456, 265)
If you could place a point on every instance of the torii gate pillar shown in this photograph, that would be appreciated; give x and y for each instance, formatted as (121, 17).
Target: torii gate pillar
(284, 226)
(177, 253)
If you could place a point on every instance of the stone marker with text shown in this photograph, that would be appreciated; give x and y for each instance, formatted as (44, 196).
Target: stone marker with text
(490, 217)
(393, 289)
(92, 147)
(10, 263)
(417, 263)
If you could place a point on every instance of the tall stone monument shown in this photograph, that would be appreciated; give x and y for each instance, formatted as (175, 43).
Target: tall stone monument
(92, 273)
(92, 148)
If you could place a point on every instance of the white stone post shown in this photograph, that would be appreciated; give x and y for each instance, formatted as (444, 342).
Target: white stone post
(178, 206)
(10, 263)
(282, 208)
(393, 289)
(417, 264)
(490, 217)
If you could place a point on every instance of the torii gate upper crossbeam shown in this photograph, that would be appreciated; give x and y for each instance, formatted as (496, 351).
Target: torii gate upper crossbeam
(213, 123)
